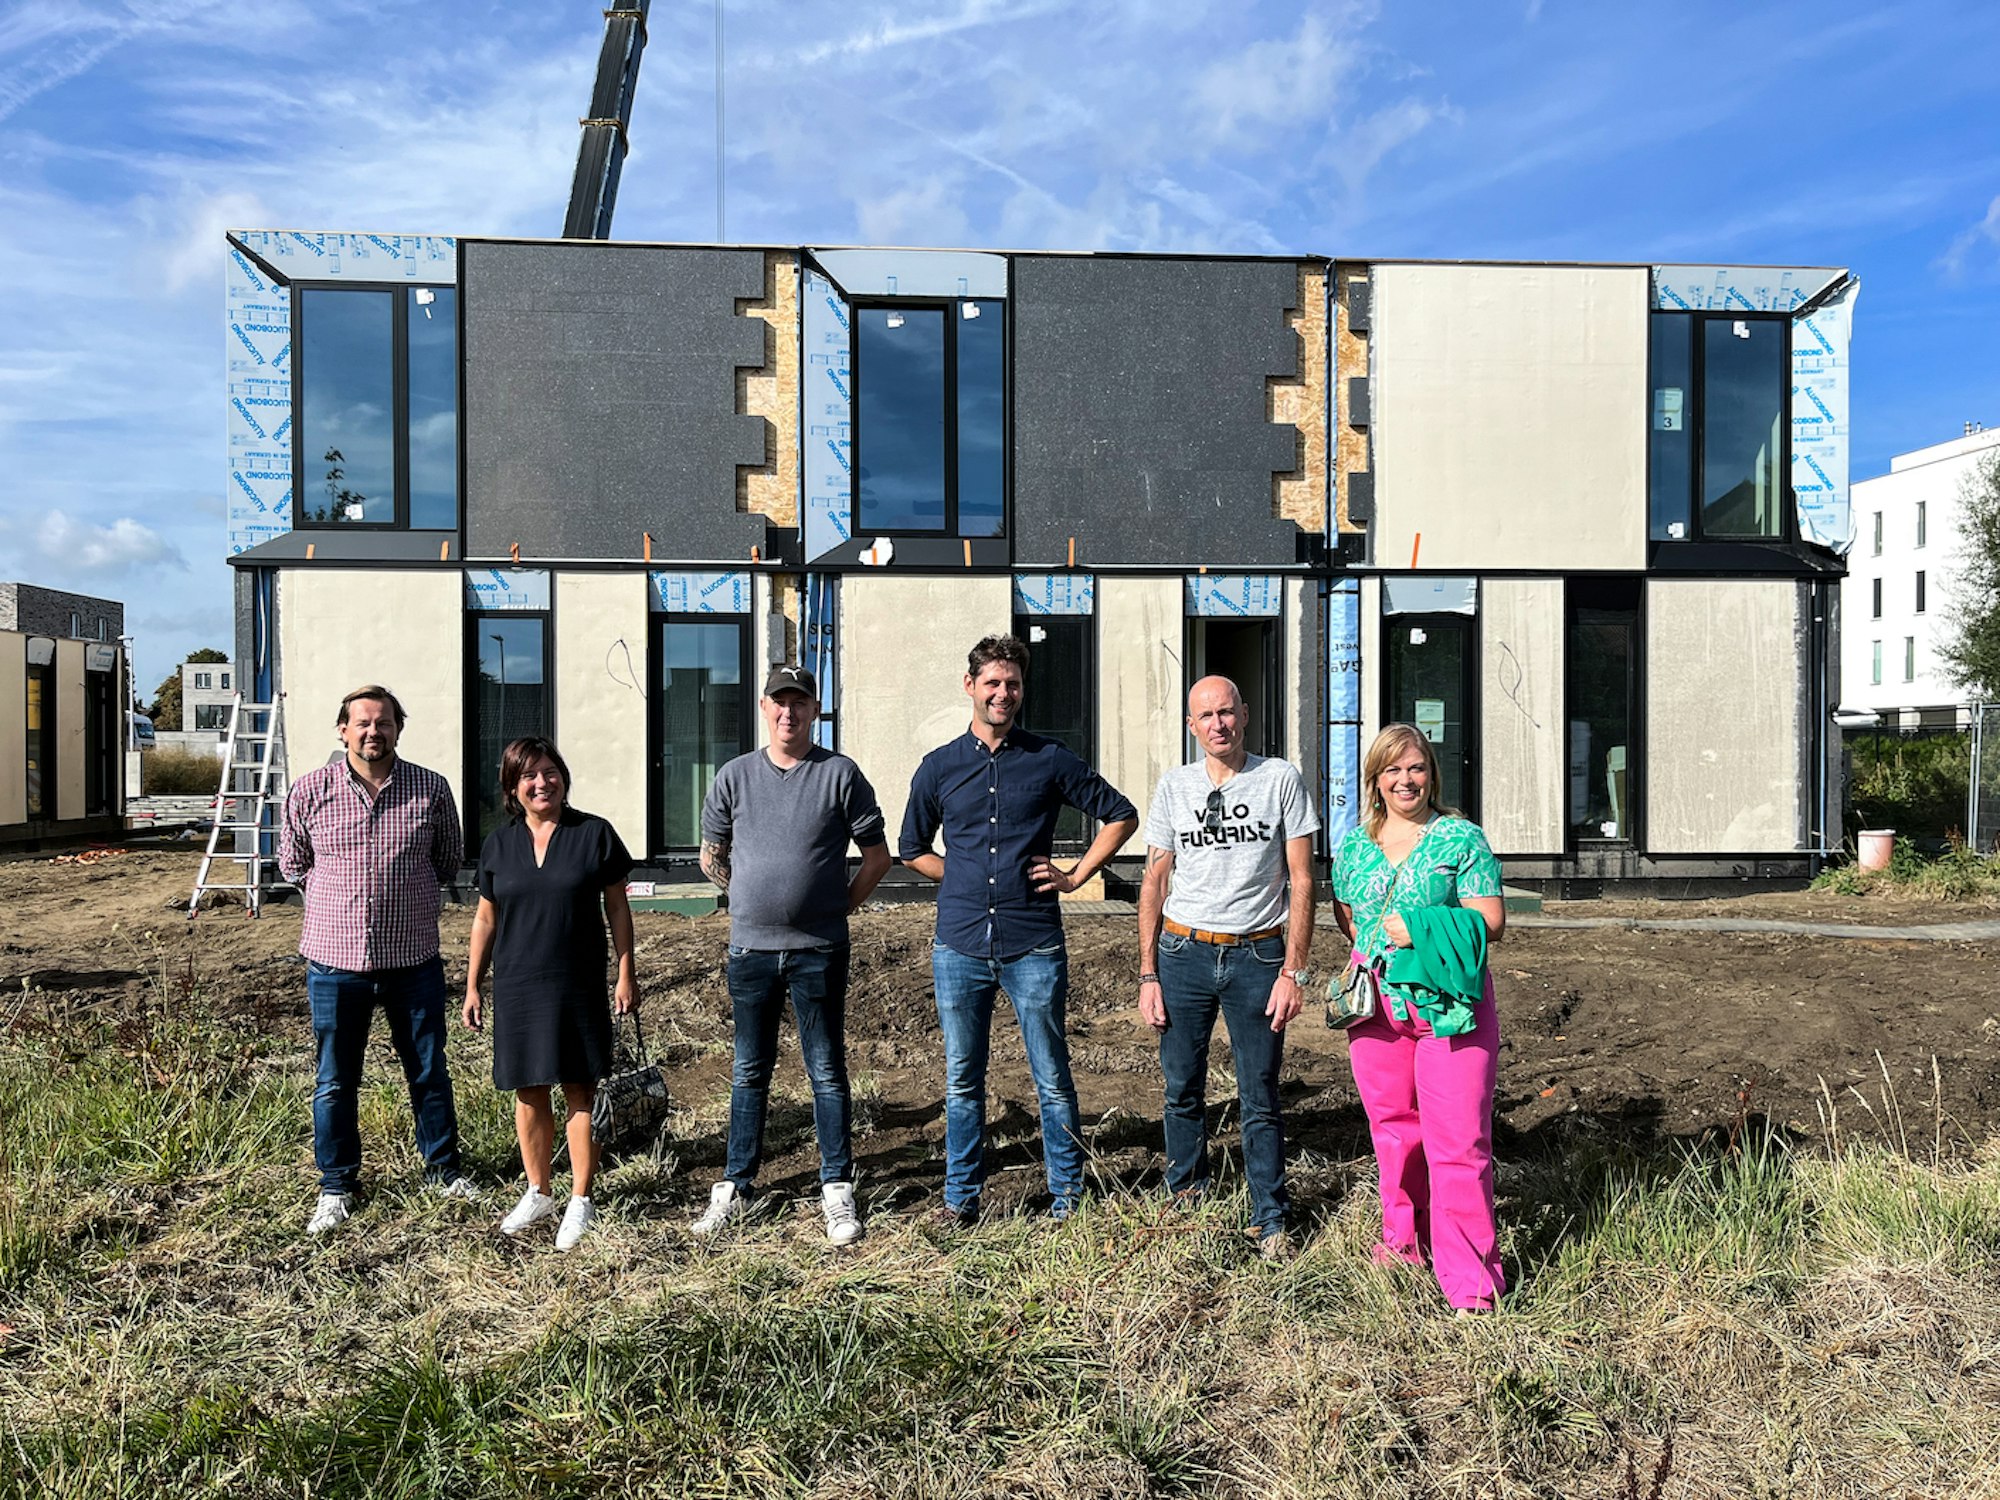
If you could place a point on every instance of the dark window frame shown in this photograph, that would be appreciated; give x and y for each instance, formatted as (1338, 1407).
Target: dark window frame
(41, 740)
(469, 813)
(1922, 594)
(1576, 591)
(1695, 421)
(1092, 707)
(659, 851)
(1275, 715)
(953, 316)
(399, 339)
(1874, 598)
(1474, 664)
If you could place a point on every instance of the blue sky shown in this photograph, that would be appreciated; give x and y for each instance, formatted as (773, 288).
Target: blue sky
(133, 132)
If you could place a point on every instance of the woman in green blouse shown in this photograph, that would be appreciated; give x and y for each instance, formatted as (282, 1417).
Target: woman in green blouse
(1428, 1092)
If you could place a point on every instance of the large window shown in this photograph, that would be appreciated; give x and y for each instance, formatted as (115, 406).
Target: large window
(1061, 702)
(376, 383)
(702, 696)
(1601, 653)
(1720, 448)
(40, 724)
(930, 418)
(1430, 684)
(211, 716)
(511, 657)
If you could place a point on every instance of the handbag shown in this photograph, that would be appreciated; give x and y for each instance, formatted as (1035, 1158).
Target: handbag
(1355, 993)
(630, 1110)
(1352, 995)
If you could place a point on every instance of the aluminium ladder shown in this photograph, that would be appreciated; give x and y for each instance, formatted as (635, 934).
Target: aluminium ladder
(253, 778)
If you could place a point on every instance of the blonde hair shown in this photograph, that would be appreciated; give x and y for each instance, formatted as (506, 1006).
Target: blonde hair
(1389, 746)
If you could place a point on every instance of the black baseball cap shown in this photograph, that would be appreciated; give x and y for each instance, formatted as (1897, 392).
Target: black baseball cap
(791, 680)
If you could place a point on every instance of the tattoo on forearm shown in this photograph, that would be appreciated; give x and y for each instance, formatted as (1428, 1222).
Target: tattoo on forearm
(715, 863)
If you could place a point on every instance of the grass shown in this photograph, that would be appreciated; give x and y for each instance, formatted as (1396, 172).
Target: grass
(1794, 1319)
(1958, 874)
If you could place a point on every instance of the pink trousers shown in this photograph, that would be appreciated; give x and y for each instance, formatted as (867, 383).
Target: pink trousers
(1430, 1110)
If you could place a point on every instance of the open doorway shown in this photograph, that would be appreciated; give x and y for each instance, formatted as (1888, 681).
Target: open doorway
(1248, 653)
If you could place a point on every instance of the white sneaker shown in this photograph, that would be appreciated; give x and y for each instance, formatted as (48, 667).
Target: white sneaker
(725, 1206)
(535, 1205)
(331, 1209)
(459, 1187)
(578, 1217)
(836, 1201)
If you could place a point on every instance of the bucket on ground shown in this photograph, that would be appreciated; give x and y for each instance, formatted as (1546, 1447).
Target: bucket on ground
(1876, 845)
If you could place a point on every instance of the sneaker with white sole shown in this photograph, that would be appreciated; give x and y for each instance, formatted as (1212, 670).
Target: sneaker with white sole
(836, 1201)
(578, 1217)
(332, 1209)
(725, 1206)
(535, 1206)
(460, 1187)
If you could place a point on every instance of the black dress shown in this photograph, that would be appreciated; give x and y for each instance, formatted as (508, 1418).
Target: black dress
(551, 1011)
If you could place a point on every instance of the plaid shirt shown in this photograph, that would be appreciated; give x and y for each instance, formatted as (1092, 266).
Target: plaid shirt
(370, 871)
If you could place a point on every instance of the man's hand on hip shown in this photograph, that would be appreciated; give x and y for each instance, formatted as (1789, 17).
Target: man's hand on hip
(1044, 874)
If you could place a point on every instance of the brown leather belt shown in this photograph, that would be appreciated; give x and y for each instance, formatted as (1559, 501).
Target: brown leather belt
(1220, 939)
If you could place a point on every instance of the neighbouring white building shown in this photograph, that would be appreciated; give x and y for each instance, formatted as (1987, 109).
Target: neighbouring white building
(1898, 591)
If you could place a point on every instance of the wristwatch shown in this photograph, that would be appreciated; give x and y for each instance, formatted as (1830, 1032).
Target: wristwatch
(1297, 976)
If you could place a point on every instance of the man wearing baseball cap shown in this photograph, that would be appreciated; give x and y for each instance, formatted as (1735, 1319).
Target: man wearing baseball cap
(774, 835)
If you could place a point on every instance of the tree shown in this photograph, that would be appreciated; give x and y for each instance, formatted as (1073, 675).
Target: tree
(166, 709)
(1970, 644)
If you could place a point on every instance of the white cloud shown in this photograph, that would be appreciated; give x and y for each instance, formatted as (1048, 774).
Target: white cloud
(1276, 83)
(88, 548)
(1982, 238)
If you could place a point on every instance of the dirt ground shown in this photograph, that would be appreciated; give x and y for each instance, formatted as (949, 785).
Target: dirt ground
(1643, 1034)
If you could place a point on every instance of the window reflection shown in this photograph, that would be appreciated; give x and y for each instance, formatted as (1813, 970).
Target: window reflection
(1671, 446)
(702, 716)
(432, 314)
(347, 411)
(982, 419)
(1743, 427)
(899, 419)
(513, 701)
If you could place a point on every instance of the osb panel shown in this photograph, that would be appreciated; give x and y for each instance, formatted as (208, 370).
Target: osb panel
(1300, 495)
(1350, 360)
(771, 489)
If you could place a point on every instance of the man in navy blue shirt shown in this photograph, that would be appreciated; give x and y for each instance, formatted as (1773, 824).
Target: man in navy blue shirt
(995, 793)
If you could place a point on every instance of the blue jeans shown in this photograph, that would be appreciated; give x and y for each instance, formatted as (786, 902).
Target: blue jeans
(414, 1003)
(1196, 980)
(816, 980)
(1038, 985)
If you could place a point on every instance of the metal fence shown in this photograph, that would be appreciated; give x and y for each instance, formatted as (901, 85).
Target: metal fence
(1982, 812)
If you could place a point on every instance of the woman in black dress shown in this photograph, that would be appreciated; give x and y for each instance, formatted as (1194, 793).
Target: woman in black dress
(549, 881)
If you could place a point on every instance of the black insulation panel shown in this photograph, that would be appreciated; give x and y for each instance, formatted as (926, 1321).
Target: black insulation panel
(1139, 411)
(600, 400)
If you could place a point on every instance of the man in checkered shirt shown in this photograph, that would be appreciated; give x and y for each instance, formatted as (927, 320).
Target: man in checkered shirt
(369, 839)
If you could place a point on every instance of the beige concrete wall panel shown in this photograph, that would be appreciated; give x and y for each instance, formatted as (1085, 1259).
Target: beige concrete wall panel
(903, 641)
(601, 640)
(69, 729)
(1141, 695)
(13, 729)
(1300, 496)
(1521, 757)
(1508, 410)
(772, 392)
(1723, 717)
(404, 628)
(1350, 361)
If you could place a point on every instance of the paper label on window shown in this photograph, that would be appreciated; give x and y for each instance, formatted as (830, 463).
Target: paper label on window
(1667, 409)
(1430, 719)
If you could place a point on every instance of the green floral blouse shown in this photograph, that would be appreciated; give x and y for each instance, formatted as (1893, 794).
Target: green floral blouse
(1450, 861)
